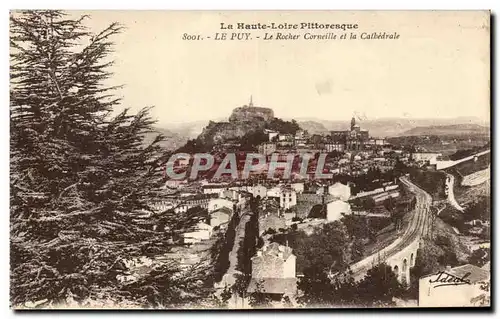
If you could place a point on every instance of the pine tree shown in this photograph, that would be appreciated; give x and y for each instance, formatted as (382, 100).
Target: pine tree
(82, 182)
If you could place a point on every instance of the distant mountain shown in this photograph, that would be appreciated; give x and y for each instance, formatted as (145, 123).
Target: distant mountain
(457, 129)
(172, 140)
(190, 130)
(388, 127)
(313, 127)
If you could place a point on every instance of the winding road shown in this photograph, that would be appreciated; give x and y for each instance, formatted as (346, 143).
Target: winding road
(450, 183)
(418, 226)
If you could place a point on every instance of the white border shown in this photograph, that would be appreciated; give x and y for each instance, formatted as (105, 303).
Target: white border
(197, 5)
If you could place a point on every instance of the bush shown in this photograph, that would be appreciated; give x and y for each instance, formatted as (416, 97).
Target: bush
(442, 241)
(270, 231)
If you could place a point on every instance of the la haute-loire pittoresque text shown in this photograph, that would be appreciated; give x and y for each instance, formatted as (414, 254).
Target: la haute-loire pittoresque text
(289, 26)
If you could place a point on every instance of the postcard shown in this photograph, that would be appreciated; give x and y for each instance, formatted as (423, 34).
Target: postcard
(249, 159)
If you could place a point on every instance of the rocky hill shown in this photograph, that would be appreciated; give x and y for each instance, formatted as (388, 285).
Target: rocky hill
(221, 132)
(243, 120)
(313, 127)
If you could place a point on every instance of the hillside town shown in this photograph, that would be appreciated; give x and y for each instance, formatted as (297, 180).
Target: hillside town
(369, 198)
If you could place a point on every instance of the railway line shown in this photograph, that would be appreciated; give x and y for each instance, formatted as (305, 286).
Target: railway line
(417, 227)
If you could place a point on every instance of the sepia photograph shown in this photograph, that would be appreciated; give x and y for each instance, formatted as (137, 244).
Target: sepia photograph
(242, 160)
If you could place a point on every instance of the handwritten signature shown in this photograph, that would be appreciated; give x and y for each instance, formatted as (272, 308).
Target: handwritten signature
(446, 279)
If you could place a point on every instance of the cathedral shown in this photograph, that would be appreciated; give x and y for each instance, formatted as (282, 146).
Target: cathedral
(353, 140)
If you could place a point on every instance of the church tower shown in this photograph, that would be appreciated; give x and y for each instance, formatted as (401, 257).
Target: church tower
(353, 123)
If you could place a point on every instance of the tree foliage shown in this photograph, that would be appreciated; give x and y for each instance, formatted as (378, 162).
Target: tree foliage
(282, 126)
(248, 245)
(317, 288)
(258, 298)
(82, 181)
(480, 257)
(377, 288)
(324, 249)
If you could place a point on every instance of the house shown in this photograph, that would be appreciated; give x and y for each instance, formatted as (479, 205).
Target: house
(340, 191)
(320, 190)
(297, 187)
(174, 183)
(301, 138)
(230, 194)
(273, 272)
(162, 205)
(274, 191)
(267, 148)
(385, 195)
(272, 135)
(426, 157)
(343, 161)
(202, 231)
(330, 147)
(220, 216)
(336, 209)
(216, 203)
(214, 188)
(475, 222)
(462, 286)
(286, 140)
(288, 198)
(258, 190)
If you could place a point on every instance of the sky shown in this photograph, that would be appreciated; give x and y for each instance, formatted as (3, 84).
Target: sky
(438, 68)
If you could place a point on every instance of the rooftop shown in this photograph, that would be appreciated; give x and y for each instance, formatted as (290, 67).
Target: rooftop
(223, 209)
(476, 274)
(274, 250)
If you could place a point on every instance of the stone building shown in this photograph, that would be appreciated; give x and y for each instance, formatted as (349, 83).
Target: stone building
(220, 216)
(273, 271)
(336, 209)
(354, 139)
(267, 148)
(250, 113)
(288, 198)
(216, 203)
(340, 191)
(200, 232)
